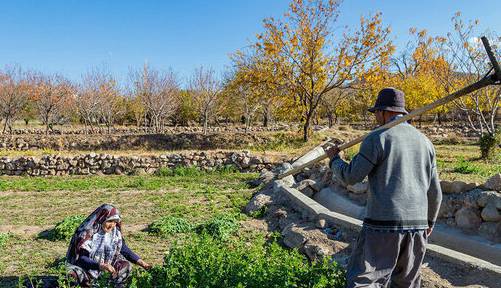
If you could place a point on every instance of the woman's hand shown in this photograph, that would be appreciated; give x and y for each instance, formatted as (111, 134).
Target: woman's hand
(143, 264)
(108, 267)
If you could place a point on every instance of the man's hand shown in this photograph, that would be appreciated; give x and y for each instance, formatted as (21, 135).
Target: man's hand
(108, 267)
(331, 149)
(428, 231)
(143, 264)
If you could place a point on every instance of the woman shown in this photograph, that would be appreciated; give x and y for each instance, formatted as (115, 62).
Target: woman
(98, 246)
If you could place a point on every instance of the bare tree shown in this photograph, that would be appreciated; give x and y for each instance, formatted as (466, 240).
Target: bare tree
(51, 94)
(206, 90)
(87, 98)
(158, 92)
(14, 91)
(111, 103)
(469, 63)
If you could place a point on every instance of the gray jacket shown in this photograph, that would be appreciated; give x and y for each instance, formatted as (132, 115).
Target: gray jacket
(404, 190)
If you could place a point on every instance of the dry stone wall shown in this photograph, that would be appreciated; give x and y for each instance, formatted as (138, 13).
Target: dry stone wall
(148, 130)
(179, 141)
(96, 164)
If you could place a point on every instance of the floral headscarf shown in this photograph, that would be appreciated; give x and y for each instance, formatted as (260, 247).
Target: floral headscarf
(91, 225)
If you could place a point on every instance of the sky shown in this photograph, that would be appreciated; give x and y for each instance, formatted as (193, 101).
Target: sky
(70, 37)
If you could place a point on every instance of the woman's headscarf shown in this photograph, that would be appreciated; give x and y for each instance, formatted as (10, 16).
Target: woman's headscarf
(91, 225)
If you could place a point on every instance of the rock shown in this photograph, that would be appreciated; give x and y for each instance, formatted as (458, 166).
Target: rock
(288, 181)
(321, 223)
(293, 236)
(494, 183)
(305, 187)
(118, 171)
(488, 197)
(490, 213)
(359, 188)
(466, 218)
(316, 251)
(257, 203)
(266, 176)
(335, 201)
(456, 186)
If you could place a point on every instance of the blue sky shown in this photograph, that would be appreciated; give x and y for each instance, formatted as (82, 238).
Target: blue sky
(70, 36)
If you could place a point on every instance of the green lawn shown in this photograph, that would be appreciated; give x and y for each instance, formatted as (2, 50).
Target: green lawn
(461, 162)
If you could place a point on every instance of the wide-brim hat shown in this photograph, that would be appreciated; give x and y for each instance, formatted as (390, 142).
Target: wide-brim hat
(390, 99)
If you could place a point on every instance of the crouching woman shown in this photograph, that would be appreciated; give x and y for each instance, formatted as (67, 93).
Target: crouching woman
(98, 246)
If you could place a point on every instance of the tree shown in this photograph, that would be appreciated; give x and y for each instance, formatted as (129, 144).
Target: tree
(14, 91)
(111, 103)
(158, 92)
(51, 94)
(317, 63)
(468, 64)
(206, 91)
(88, 97)
(418, 70)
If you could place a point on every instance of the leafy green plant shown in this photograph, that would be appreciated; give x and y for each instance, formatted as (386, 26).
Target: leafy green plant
(488, 144)
(66, 228)
(170, 225)
(227, 169)
(3, 239)
(465, 167)
(221, 226)
(207, 262)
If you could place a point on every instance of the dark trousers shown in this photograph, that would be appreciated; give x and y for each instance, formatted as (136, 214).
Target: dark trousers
(381, 258)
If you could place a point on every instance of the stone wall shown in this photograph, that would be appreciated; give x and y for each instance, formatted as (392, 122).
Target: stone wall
(179, 141)
(98, 164)
(148, 130)
(471, 207)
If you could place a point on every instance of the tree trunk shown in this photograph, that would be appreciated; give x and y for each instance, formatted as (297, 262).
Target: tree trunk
(5, 125)
(206, 122)
(306, 128)
(330, 117)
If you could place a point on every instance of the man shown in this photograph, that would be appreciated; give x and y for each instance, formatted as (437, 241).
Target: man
(403, 201)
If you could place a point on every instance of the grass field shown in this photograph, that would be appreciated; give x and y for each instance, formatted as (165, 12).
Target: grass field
(34, 204)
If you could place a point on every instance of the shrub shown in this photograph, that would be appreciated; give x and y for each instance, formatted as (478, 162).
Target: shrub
(488, 144)
(170, 225)
(208, 262)
(66, 228)
(465, 167)
(163, 172)
(219, 227)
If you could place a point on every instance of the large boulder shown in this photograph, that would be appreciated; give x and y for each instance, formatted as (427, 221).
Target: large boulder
(468, 219)
(453, 187)
(494, 183)
(258, 202)
(293, 236)
(488, 197)
(490, 213)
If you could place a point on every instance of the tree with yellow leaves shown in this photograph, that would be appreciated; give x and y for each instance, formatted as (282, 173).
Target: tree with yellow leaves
(317, 62)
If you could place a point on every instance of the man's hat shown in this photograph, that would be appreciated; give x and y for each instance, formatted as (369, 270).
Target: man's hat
(390, 99)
